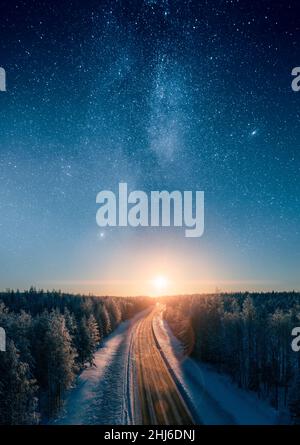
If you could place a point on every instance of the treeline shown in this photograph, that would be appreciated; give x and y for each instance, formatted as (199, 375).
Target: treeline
(247, 336)
(51, 337)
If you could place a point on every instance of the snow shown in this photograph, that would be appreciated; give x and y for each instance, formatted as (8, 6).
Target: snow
(215, 398)
(101, 393)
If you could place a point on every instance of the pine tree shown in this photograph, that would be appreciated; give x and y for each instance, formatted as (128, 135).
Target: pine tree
(107, 328)
(18, 401)
(251, 371)
(87, 340)
(55, 359)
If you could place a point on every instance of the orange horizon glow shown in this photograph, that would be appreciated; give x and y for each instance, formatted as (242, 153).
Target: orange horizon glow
(128, 266)
(159, 285)
(155, 270)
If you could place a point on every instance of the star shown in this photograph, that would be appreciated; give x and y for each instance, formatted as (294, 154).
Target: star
(254, 132)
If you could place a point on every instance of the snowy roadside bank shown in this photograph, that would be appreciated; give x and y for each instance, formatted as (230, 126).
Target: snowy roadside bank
(215, 398)
(101, 393)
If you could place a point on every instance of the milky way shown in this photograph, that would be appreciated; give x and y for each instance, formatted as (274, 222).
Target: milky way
(174, 95)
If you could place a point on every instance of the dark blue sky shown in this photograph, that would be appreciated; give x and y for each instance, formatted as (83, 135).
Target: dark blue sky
(163, 95)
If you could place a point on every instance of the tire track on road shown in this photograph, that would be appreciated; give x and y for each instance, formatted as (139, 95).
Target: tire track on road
(158, 400)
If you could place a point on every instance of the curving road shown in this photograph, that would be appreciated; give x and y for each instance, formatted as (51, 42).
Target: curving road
(156, 399)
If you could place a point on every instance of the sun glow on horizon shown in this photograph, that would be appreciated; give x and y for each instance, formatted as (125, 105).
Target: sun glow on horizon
(160, 284)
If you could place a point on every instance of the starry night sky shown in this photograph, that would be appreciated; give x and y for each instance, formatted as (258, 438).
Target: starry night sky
(174, 95)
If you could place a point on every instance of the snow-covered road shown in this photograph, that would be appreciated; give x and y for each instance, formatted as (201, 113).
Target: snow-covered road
(104, 394)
